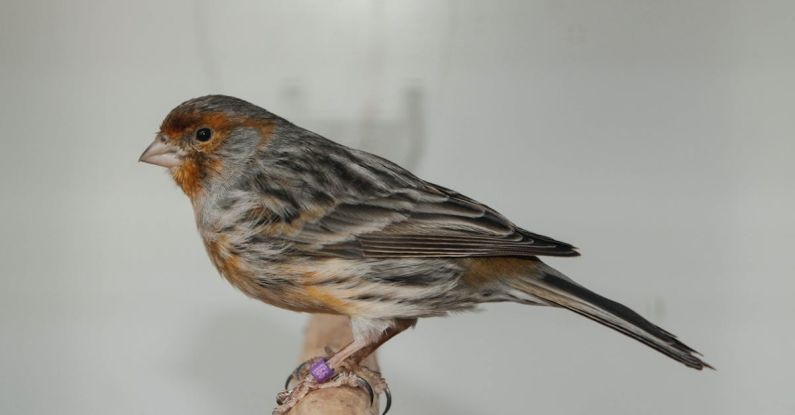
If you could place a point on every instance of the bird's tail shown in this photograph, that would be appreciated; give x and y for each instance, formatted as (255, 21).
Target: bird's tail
(556, 289)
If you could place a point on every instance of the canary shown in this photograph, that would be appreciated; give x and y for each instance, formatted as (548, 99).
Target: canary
(303, 223)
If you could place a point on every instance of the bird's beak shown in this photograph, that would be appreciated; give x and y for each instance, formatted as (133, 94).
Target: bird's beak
(161, 153)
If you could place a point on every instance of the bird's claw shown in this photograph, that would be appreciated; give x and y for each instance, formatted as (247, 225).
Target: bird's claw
(388, 395)
(364, 384)
(381, 386)
(287, 398)
(295, 374)
(282, 396)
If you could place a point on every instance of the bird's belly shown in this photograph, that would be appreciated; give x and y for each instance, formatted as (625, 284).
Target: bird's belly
(372, 288)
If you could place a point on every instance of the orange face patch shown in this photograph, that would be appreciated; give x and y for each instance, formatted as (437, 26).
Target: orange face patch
(199, 162)
(183, 124)
(178, 124)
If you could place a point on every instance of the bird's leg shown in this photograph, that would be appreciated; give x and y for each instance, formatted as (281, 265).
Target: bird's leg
(319, 373)
(399, 326)
(341, 370)
(335, 361)
(321, 368)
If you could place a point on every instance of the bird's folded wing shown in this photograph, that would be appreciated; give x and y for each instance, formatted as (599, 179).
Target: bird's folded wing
(430, 221)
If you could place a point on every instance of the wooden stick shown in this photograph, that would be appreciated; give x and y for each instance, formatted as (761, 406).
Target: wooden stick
(334, 332)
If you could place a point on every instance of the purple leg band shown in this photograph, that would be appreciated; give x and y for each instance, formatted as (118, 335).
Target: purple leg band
(321, 371)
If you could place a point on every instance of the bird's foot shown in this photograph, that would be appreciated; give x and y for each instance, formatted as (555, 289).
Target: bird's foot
(316, 374)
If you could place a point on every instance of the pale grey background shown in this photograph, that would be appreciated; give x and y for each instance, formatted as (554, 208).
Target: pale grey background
(655, 135)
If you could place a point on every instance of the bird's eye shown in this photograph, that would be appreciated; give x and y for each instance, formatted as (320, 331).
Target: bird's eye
(204, 134)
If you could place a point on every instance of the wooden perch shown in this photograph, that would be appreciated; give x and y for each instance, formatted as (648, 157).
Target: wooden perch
(333, 332)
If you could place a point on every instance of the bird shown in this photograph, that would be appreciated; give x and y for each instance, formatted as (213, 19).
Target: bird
(300, 222)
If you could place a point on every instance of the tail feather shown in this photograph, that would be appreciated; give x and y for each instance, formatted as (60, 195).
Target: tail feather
(556, 289)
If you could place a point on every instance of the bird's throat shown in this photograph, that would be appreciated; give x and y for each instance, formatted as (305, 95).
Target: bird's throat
(189, 177)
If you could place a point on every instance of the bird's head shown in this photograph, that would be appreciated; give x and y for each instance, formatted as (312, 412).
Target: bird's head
(207, 139)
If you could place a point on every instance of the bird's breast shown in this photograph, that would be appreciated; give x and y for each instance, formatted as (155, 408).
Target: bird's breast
(231, 264)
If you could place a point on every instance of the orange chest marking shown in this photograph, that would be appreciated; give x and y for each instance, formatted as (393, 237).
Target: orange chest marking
(316, 296)
(329, 299)
(230, 265)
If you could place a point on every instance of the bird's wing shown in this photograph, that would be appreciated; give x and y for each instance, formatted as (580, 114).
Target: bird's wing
(327, 199)
(422, 221)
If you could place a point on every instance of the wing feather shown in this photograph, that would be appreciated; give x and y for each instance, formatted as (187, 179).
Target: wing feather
(426, 222)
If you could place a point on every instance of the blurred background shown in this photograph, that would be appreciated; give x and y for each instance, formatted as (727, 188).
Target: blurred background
(659, 137)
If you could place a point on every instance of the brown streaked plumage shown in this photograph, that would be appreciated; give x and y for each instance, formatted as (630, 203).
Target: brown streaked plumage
(303, 223)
